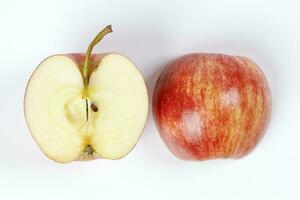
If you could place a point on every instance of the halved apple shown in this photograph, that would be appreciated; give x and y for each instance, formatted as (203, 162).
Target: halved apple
(82, 107)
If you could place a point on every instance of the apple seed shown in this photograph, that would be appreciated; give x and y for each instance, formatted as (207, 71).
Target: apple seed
(94, 107)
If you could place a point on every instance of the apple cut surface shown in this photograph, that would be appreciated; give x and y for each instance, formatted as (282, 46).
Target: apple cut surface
(120, 94)
(68, 126)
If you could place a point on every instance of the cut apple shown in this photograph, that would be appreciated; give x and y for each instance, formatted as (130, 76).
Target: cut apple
(73, 121)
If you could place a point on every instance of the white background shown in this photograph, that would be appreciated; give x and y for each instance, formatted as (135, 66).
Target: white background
(151, 33)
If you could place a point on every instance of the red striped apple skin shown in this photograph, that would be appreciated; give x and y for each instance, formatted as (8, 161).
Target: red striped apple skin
(209, 106)
(78, 58)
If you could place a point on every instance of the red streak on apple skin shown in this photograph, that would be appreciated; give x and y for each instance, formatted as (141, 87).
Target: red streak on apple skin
(78, 58)
(210, 106)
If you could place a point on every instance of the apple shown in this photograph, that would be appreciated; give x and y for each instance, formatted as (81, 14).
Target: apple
(209, 106)
(86, 106)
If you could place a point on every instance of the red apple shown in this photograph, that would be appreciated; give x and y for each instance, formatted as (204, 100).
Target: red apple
(209, 106)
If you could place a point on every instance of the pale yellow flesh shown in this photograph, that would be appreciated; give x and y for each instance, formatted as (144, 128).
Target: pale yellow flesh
(56, 112)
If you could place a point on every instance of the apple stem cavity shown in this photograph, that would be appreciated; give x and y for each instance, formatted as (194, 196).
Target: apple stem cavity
(85, 70)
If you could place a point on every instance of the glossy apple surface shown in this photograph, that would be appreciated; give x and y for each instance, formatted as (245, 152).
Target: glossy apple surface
(209, 106)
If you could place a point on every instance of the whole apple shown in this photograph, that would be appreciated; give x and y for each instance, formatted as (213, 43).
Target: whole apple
(209, 106)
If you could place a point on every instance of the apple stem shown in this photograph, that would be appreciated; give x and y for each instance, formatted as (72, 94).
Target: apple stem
(96, 40)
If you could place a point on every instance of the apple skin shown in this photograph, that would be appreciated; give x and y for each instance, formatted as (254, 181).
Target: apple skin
(78, 58)
(209, 106)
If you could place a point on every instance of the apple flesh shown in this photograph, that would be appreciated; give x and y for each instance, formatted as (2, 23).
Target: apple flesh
(209, 106)
(71, 121)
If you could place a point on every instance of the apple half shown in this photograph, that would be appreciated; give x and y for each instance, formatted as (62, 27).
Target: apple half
(86, 106)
